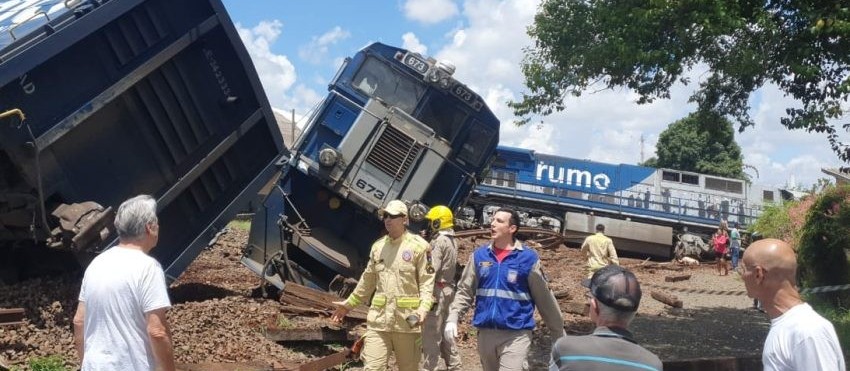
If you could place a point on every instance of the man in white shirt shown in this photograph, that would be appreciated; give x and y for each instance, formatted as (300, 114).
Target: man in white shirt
(799, 338)
(120, 322)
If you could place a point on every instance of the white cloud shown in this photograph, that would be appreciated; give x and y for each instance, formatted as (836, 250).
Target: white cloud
(316, 50)
(430, 11)
(277, 74)
(412, 43)
(607, 125)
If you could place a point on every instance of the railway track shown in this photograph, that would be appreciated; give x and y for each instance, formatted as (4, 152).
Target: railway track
(11, 316)
(546, 238)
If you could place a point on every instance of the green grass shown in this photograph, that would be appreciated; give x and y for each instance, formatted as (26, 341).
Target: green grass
(48, 363)
(243, 225)
(283, 322)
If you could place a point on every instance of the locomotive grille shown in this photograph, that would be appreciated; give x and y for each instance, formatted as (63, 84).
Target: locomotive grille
(394, 153)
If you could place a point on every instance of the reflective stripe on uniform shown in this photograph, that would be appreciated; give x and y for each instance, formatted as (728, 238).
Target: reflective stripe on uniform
(408, 302)
(379, 301)
(504, 294)
(352, 301)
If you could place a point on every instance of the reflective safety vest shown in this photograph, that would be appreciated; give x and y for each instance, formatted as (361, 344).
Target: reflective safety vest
(503, 299)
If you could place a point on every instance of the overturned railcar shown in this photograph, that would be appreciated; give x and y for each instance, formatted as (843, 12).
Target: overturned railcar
(120, 98)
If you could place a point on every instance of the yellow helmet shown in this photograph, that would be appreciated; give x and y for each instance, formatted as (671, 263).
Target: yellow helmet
(440, 217)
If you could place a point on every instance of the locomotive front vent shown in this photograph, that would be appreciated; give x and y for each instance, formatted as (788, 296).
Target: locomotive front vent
(394, 153)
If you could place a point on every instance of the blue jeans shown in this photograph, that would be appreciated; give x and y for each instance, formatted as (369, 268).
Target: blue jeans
(735, 251)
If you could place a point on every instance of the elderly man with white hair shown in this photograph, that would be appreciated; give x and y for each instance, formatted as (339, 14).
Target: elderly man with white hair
(614, 297)
(120, 322)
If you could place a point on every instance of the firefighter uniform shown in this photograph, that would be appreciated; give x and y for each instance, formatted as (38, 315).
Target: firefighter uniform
(444, 259)
(506, 294)
(398, 274)
(599, 251)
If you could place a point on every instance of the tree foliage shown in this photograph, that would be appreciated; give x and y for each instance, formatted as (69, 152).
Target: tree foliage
(823, 240)
(702, 143)
(803, 47)
(775, 222)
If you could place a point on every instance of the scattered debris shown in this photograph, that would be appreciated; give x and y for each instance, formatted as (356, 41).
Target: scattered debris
(668, 299)
(676, 278)
(575, 307)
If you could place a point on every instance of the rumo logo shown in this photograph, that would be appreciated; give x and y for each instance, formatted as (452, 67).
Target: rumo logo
(581, 178)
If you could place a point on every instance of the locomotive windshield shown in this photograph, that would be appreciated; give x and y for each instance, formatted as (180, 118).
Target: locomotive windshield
(440, 113)
(478, 142)
(438, 110)
(378, 80)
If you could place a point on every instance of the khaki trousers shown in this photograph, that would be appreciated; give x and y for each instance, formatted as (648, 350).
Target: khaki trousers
(504, 350)
(433, 346)
(378, 345)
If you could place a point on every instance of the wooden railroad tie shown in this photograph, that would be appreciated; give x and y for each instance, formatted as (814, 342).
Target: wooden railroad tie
(668, 299)
(676, 278)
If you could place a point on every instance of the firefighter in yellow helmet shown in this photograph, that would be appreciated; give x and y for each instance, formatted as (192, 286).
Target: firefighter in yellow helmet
(400, 276)
(443, 249)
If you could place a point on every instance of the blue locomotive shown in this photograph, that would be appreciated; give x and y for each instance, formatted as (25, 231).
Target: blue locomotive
(394, 125)
(632, 200)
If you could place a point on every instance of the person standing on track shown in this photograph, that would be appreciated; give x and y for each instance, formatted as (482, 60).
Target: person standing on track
(599, 251)
(505, 280)
(401, 278)
(444, 258)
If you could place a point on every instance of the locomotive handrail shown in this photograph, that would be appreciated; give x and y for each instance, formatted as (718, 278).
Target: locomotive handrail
(12, 29)
(744, 215)
(14, 111)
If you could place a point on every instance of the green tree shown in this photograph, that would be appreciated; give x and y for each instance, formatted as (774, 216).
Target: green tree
(702, 143)
(802, 47)
(650, 162)
(823, 241)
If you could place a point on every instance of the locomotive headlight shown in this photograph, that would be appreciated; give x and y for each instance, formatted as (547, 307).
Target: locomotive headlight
(328, 157)
(417, 212)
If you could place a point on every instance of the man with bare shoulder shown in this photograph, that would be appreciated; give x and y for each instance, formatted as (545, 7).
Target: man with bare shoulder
(120, 322)
(799, 338)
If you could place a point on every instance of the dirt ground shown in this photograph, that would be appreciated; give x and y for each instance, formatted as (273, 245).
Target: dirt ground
(218, 318)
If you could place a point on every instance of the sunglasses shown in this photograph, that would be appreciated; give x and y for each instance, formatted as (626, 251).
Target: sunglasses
(390, 216)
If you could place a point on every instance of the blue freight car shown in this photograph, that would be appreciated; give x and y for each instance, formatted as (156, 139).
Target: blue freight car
(125, 97)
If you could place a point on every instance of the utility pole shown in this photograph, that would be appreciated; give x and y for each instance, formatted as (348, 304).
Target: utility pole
(641, 147)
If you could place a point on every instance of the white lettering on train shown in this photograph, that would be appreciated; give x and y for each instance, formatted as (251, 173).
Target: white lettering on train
(580, 178)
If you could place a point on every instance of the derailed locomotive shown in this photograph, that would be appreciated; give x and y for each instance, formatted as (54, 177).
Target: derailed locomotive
(644, 209)
(119, 98)
(395, 125)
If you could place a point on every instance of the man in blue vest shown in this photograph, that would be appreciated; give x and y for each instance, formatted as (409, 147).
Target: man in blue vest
(505, 281)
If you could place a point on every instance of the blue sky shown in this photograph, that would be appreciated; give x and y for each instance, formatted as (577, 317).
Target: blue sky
(297, 46)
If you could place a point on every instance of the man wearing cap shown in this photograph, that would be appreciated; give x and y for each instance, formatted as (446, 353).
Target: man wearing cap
(444, 258)
(400, 276)
(614, 298)
(599, 250)
(506, 282)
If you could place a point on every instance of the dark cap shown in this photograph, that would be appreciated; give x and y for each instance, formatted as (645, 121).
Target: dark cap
(615, 287)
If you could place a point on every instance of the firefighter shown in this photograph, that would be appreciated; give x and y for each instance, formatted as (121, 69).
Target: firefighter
(444, 259)
(402, 280)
